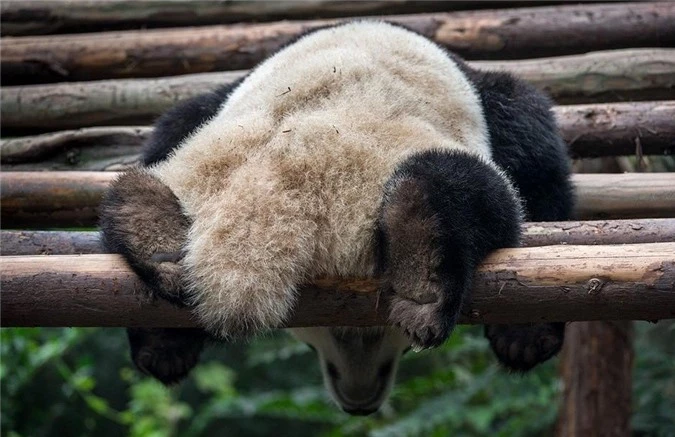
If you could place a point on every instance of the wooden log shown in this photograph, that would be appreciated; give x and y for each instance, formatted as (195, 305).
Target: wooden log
(612, 129)
(598, 232)
(41, 17)
(603, 196)
(553, 283)
(69, 199)
(534, 234)
(641, 128)
(612, 75)
(94, 148)
(596, 369)
(49, 243)
(513, 33)
(80, 104)
(51, 199)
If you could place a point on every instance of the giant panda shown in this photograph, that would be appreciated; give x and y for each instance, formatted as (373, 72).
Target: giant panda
(359, 150)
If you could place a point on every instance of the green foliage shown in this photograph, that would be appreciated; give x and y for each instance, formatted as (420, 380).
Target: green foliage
(80, 382)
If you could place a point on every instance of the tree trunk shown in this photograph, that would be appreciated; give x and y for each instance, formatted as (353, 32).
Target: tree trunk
(498, 34)
(596, 368)
(553, 283)
(618, 74)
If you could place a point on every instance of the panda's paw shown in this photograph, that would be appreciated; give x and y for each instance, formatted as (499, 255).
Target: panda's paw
(425, 323)
(166, 354)
(521, 347)
(167, 271)
(143, 220)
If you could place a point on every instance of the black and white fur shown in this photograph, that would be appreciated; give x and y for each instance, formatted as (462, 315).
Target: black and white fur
(361, 149)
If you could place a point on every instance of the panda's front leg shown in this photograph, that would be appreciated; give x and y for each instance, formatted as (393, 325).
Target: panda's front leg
(442, 213)
(142, 220)
(424, 292)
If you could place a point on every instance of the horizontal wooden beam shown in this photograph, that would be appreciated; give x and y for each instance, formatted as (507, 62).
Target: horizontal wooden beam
(497, 34)
(626, 195)
(554, 283)
(601, 129)
(49, 242)
(640, 74)
(51, 199)
(41, 17)
(25, 242)
(615, 129)
(69, 199)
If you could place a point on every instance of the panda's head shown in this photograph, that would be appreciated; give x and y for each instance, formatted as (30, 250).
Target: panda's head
(358, 364)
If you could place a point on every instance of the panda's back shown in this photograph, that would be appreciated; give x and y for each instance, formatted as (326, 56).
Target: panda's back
(325, 122)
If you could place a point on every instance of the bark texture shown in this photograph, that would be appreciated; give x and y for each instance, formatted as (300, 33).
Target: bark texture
(497, 34)
(554, 283)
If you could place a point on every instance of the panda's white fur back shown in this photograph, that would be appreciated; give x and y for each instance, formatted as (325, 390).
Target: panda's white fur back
(283, 185)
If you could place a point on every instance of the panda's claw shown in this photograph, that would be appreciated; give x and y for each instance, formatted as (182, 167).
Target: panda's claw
(423, 323)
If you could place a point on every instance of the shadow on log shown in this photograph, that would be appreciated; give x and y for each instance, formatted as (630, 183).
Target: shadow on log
(641, 74)
(553, 283)
(69, 199)
(534, 234)
(511, 33)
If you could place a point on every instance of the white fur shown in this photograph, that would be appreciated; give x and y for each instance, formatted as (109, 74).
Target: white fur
(284, 183)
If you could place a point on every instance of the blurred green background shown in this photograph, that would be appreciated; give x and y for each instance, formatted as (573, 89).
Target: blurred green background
(80, 382)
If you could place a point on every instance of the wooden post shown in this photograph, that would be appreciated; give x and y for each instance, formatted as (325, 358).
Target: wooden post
(596, 368)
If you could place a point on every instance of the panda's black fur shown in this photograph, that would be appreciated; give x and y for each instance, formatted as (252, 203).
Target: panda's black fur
(525, 144)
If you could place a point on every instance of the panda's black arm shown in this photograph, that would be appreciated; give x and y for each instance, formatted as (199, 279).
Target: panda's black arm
(443, 212)
(526, 144)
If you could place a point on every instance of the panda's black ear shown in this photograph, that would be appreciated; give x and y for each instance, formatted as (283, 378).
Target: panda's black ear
(142, 220)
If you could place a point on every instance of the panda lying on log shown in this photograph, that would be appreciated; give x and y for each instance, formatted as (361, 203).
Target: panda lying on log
(359, 150)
